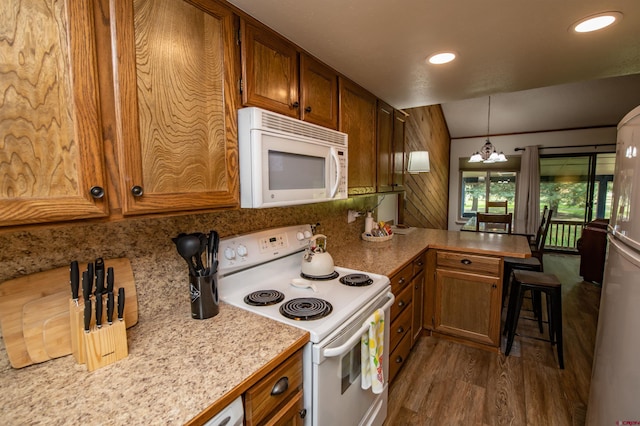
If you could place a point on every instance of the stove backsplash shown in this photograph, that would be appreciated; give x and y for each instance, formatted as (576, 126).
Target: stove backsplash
(147, 241)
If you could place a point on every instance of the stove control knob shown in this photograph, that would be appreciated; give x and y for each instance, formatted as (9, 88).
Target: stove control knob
(300, 236)
(241, 250)
(308, 234)
(229, 253)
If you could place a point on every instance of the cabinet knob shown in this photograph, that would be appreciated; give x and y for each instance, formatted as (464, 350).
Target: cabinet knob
(494, 286)
(137, 191)
(401, 280)
(303, 413)
(465, 261)
(97, 192)
(295, 104)
(281, 386)
(401, 304)
(400, 330)
(399, 360)
(307, 109)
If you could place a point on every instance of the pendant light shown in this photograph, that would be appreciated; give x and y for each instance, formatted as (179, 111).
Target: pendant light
(488, 153)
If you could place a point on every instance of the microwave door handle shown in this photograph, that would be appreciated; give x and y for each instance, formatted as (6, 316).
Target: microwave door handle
(346, 347)
(336, 161)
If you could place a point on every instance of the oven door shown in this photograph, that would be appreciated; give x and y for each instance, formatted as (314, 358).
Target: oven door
(338, 397)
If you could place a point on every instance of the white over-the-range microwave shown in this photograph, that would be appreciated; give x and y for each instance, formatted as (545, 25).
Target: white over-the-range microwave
(285, 161)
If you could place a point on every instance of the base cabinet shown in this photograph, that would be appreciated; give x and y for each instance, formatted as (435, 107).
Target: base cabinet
(277, 398)
(466, 297)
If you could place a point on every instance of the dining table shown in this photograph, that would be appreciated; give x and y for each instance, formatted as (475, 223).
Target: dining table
(470, 226)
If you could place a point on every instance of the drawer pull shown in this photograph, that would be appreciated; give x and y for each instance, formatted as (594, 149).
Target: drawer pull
(399, 360)
(465, 262)
(401, 304)
(400, 330)
(401, 280)
(303, 413)
(281, 386)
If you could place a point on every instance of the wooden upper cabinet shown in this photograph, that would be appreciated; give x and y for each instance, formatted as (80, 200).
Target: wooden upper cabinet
(50, 117)
(176, 101)
(358, 120)
(385, 147)
(397, 148)
(318, 93)
(269, 70)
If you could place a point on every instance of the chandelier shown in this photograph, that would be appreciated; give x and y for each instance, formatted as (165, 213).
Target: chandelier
(488, 153)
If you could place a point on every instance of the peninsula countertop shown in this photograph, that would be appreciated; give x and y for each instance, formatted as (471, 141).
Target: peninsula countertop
(179, 367)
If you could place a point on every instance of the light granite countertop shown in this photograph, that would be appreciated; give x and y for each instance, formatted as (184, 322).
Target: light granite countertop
(179, 367)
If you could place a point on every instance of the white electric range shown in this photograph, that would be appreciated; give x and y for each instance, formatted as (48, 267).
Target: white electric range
(256, 272)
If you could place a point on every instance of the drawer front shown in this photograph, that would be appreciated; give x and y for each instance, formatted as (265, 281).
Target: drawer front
(469, 263)
(418, 264)
(401, 279)
(273, 390)
(400, 327)
(399, 356)
(403, 299)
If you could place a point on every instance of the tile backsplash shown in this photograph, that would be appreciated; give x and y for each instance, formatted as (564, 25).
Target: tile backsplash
(28, 251)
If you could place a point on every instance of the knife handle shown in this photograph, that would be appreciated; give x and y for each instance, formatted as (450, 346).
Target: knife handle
(74, 279)
(87, 315)
(110, 279)
(110, 307)
(86, 285)
(99, 282)
(120, 303)
(99, 310)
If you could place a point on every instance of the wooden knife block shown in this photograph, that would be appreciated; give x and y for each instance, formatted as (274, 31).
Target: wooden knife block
(100, 346)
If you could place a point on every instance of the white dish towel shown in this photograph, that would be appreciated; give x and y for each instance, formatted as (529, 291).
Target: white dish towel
(372, 347)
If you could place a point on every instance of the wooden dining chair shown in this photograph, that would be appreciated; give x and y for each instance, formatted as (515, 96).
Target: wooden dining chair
(498, 204)
(497, 223)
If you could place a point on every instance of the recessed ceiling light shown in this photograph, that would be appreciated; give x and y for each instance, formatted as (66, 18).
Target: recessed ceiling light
(442, 58)
(596, 22)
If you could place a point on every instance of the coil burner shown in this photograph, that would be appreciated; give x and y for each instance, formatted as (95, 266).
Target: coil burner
(264, 298)
(306, 309)
(356, 280)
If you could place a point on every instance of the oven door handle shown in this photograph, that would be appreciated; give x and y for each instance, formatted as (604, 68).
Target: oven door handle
(346, 347)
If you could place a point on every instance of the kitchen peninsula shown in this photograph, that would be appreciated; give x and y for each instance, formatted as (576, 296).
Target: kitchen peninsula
(179, 369)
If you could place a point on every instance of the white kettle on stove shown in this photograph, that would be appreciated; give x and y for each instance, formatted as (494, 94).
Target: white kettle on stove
(317, 262)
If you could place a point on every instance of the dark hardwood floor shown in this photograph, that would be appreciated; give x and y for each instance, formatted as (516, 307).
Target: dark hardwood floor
(446, 383)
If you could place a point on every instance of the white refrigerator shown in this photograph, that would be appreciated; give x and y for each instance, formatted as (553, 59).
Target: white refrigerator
(614, 397)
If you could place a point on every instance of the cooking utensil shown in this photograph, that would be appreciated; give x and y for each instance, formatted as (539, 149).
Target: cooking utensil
(188, 246)
(203, 248)
(301, 283)
(110, 279)
(74, 279)
(99, 268)
(212, 252)
(121, 300)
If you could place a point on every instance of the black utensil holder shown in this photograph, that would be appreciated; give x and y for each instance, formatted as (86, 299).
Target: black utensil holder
(204, 296)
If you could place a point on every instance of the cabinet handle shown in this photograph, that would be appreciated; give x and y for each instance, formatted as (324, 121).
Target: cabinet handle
(494, 286)
(97, 192)
(303, 413)
(401, 280)
(137, 191)
(401, 304)
(307, 109)
(399, 360)
(466, 262)
(400, 330)
(281, 386)
(295, 104)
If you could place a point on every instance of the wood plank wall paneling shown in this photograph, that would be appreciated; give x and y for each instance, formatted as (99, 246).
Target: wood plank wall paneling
(427, 194)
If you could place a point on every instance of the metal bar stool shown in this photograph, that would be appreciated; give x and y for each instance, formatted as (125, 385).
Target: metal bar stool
(536, 282)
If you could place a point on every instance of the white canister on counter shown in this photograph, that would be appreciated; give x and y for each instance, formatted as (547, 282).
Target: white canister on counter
(368, 223)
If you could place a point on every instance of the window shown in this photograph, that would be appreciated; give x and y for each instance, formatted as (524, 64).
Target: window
(479, 186)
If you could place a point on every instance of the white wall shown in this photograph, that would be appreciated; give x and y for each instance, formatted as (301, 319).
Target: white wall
(507, 144)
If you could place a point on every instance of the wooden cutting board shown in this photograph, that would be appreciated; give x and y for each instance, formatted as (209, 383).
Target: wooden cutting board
(16, 293)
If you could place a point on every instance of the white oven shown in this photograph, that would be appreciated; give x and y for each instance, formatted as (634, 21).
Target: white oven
(284, 161)
(266, 262)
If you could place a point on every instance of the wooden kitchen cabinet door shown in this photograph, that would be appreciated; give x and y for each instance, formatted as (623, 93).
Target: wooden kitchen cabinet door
(358, 120)
(269, 70)
(384, 138)
(397, 150)
(318, 93)
(467, 305)
(176, 105)
(51, 160)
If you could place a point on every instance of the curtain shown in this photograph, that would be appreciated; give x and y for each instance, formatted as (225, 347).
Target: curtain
(528, 199)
